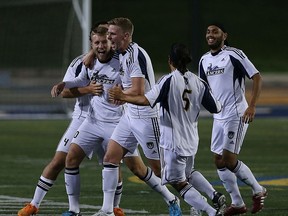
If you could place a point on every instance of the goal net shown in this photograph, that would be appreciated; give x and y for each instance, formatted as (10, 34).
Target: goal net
(38, 40)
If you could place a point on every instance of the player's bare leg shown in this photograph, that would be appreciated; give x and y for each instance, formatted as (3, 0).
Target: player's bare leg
(46, 181)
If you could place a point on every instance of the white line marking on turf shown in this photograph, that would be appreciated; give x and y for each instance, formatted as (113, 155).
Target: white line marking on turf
(10, 204)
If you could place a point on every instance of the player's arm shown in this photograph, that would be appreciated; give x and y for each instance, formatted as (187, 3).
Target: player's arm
(137, 88)
(89, 58)
(209, 102)
(249, 114)
(92, 88)
(116, 93)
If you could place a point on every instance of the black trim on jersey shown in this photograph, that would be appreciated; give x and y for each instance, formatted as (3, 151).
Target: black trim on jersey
(235, 50)
(130, 47)
(163, 96)
(202, 74)
(208, 101)
(78, 69)
(216, 53)
(116, 55)
(239, 71)
(160, 79)
(143, 64)
(75, 60)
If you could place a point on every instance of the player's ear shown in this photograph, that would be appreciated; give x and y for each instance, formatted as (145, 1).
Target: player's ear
(225, 36)
(127, 35)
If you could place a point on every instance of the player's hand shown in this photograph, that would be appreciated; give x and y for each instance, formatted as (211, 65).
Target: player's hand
(96, 88)
(118, 102)
(249, 114)
(57, 89)
(115, 93)
(88, 59)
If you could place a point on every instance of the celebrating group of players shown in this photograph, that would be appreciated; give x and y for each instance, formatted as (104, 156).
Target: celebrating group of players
(119, 106)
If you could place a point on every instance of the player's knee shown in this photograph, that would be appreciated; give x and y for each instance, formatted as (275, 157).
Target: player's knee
(57, 165)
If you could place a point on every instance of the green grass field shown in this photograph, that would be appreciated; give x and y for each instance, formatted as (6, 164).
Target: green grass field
(27, 146)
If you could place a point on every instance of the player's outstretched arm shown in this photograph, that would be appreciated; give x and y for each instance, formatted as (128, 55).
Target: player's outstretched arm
(116, 93)
(57, 89)
(92, 88)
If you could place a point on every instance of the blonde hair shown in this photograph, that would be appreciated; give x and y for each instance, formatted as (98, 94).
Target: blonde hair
(124, 23)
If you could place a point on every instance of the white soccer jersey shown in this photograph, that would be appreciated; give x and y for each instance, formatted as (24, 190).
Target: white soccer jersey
(135, 62)
(225, 72)
(180, 97)
(82, 103)
(107, 74)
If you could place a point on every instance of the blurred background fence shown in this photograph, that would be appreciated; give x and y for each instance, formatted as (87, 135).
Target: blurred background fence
(39, 38)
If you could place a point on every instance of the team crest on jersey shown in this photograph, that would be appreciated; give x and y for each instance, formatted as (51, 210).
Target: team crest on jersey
(214, 70)
(150, 145)
(231, 134)
(101, 78)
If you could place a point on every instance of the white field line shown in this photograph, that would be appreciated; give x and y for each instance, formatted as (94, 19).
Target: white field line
(9, 205)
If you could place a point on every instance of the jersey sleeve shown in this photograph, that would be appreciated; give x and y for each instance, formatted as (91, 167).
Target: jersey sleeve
(159, 92)
(241, 61)
(139, 67)
(209, 102)
(73, 69)
(76, 75)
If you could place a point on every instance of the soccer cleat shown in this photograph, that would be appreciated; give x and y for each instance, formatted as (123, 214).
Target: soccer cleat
(195, 212)
(28, 210)
(102, 213)
(70, 213)
(118, 212)
(258, 201)
(174, 207)
(234, 210)
(219, 202)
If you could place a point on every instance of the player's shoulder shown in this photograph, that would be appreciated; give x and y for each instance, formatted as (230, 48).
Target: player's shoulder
(134, 49)
(115, 56)
(163, 78)
(205, 55)
(235, 52)
(114, 62)
(192, 76)
(76, 61)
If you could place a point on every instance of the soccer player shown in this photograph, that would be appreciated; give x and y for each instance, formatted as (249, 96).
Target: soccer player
(224, 68)
(94, 133)
(180, 95)
(138, 124)
(57, 164)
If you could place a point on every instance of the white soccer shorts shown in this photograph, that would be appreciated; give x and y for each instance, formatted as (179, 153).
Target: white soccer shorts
(65, 141)
(228, 134)
(93, 137)
(175, 168)
(129, 132)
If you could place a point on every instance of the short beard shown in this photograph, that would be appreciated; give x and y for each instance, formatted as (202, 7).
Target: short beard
(216, 46)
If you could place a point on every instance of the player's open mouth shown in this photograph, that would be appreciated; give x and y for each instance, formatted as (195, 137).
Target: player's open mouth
(210, 40)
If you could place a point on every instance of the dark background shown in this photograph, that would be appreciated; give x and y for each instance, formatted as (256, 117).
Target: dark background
(46, 34)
